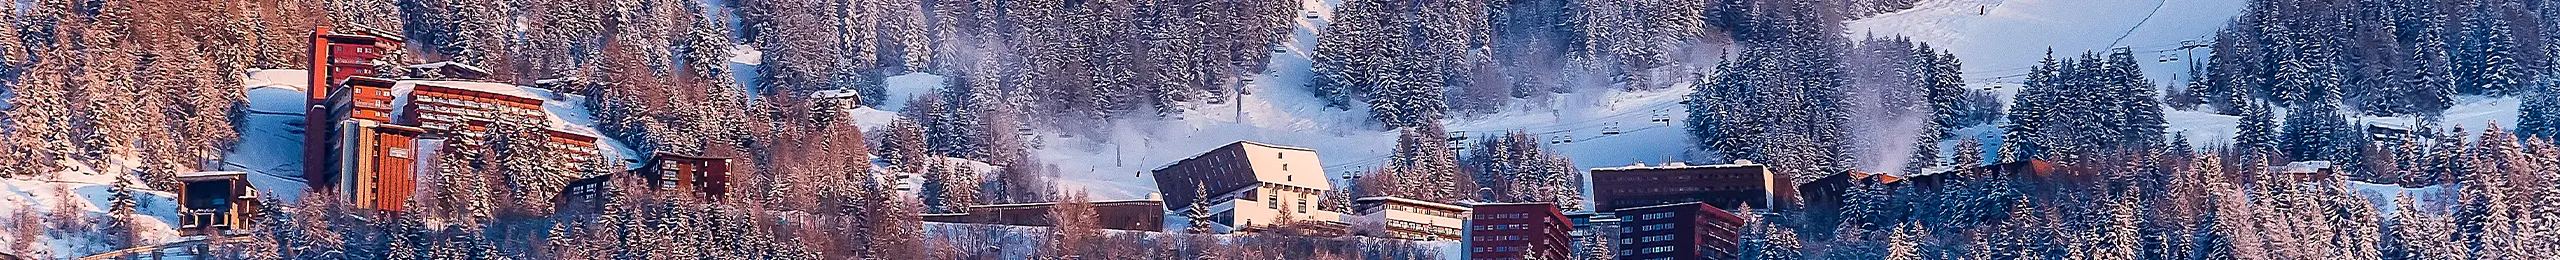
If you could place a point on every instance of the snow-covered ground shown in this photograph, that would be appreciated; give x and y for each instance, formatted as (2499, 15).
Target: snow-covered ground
(1999, 40)
(88, 195)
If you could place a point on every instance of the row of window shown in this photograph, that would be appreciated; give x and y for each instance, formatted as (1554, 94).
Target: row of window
(1654, 216)
(1499, 249)
(1655, 227)
(1502, 216)
(1503, 227)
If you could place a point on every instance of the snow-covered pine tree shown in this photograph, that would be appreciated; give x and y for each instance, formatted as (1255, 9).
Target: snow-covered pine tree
(2257, 133)
(2539, 116)
(2488, 63)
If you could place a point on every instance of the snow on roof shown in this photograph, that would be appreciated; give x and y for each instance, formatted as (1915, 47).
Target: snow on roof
(1275, 146)
(297, 80)
(835, 93)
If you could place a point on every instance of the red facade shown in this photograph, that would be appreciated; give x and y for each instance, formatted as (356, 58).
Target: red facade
(1684, 231)
(335, 60)
(1728, 186)
(1513, 231)
(707, 178)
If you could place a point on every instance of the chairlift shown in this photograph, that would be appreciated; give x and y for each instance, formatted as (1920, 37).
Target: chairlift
(1612, 129)
(2167, 58)
(1455, 136)
(1568, 139)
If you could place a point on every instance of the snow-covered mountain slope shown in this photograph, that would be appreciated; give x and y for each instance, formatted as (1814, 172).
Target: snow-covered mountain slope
(1278, 110)
(84, 196)
(1999, 40)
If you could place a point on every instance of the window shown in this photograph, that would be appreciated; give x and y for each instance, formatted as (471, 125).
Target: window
(1302, 203)
(1273, 201)
(1658, 249)
(1656, 227)
(1654, 216)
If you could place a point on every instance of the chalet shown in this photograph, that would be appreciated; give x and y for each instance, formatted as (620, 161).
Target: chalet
(1133, 215)
(1726, 185)
(1401, 218)
(1248, 186)
(212, 203)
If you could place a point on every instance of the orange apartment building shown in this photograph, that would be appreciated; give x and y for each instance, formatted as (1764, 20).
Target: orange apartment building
(349, 145)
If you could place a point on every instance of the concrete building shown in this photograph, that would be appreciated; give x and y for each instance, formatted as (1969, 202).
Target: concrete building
(1401, 218)
(1680, 231)
(1248, 186)
(1133, 215)
(1515, 231)
(211, 203)
(339, 89)
(1728, 185)
(1587, 225)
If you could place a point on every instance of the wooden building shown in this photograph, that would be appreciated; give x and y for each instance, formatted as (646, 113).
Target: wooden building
(700, 178)
(212, 203)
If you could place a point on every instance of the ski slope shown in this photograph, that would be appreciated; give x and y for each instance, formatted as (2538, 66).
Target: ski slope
(2000, 40)
(1277, 109)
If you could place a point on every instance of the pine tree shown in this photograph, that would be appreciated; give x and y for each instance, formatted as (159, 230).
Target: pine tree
(2539, 116)
(2257, 129)
(2488, 64)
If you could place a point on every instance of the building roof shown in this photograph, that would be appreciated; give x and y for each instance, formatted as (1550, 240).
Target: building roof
(1411, 201)
(835, 93)
(211, 174)
(1677, 166)
(1693, 203)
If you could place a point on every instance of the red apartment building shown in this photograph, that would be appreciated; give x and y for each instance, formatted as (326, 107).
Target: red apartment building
(1514, 231)
(1728, 186)
(1683, 231)
(349, 145)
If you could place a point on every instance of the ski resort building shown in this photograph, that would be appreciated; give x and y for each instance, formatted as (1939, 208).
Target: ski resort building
(1132, 215)
(706, 178)
(210, 203)
(475, 110)
(1593, 224)
(350, 146)
(1680, 231)
(702, 178)
(1513, 231)
(1401, 218)
(1248, 186)
(1727, 185)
